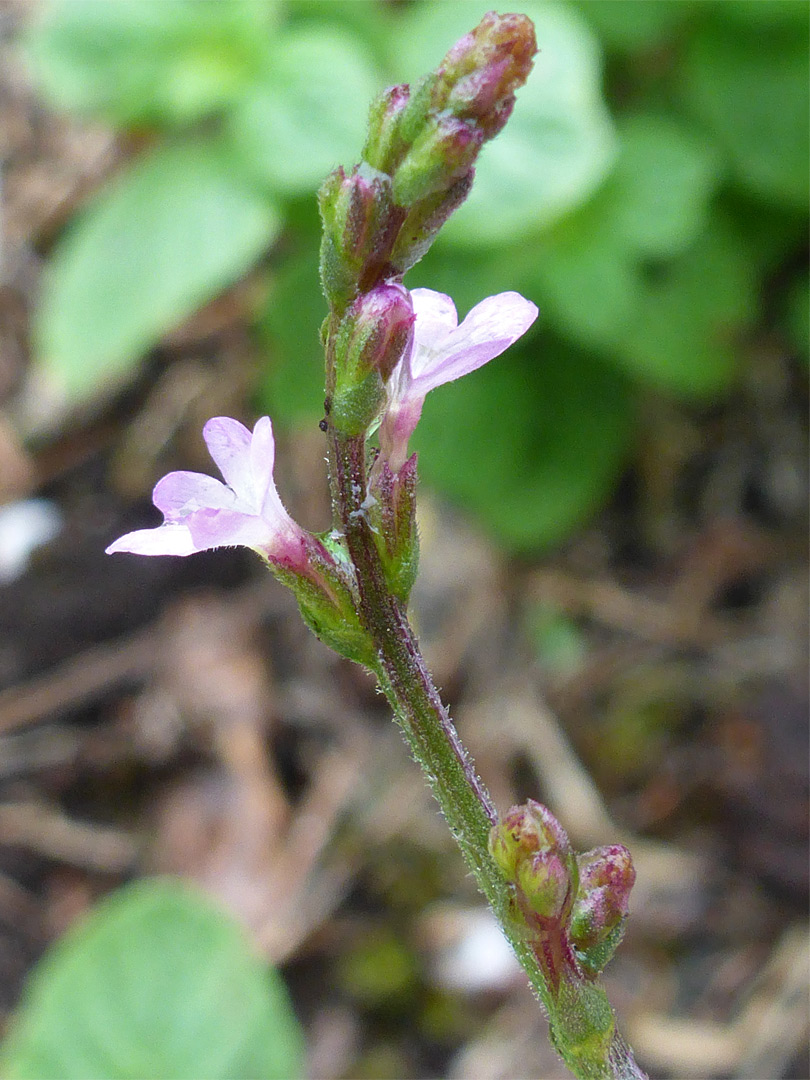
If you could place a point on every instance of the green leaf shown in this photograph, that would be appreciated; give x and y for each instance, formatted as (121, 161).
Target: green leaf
(627, 26)
(156, 63)
(657, 198)
(559, 142)
(308, 113)
(587, 271)
(533, 443)
(163, 239)
(767, 15)
(159, 983)
(753, 92)
(798, 316)
(685, 336)
(585, 281)
(292, 382)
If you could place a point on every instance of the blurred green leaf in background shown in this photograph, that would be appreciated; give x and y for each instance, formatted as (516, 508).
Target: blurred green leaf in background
(153, 64)
(649, 194)
(163, 238)
(156, 982)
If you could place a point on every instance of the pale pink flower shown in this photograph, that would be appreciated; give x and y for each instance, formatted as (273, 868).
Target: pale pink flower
(443, 351)
(202, 513)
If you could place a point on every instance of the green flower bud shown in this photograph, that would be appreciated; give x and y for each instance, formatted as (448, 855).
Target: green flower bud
(360, 225)
(544, 881)
(526, 831)
(606, 877)
(374, 335)
(385, 144)
(443, 152)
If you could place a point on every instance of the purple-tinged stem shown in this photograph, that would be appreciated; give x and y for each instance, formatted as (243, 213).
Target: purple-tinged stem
(582, 1024)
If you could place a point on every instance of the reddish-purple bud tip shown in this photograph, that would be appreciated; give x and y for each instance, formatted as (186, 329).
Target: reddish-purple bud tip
(478, 78)
(524, 831)
(536, 828)
(606, 877)
(385, 321)
(611, 866)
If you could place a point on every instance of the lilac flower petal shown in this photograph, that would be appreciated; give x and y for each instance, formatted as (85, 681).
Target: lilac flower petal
(228, 443)
(168, 539)
(489, 329)
(436, 316)
(181, 493)
(229, 528)
(202, 513)
(262, 460)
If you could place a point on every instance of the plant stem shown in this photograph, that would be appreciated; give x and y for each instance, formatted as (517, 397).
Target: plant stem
(571, 1001)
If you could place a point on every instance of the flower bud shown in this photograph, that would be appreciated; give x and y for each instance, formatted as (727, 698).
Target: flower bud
(525, 830)
(392, 517)
(373, 336)
(374, 333)
(418, 158)
(442, 154)
(478, 78)
(606, 876)
(385, 145)
(545, 883)
(360, 225)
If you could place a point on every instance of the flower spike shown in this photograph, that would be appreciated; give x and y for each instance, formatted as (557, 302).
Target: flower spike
(201, 513)
(443, 351)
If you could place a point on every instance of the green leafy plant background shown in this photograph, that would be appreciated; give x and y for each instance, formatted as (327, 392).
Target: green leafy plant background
(155, 982)
(649, 193)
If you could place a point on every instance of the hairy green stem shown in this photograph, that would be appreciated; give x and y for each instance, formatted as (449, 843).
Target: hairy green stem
(582, 1026)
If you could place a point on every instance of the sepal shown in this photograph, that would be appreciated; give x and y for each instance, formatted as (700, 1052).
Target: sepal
(392, 518)
(325, 592)
(424, 220)
(595, 958)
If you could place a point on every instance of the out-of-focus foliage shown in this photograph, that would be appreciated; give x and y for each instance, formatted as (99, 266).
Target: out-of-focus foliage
(649, 193)
(158, 65)
(156, 982)
(174, 230)
(301, 118)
